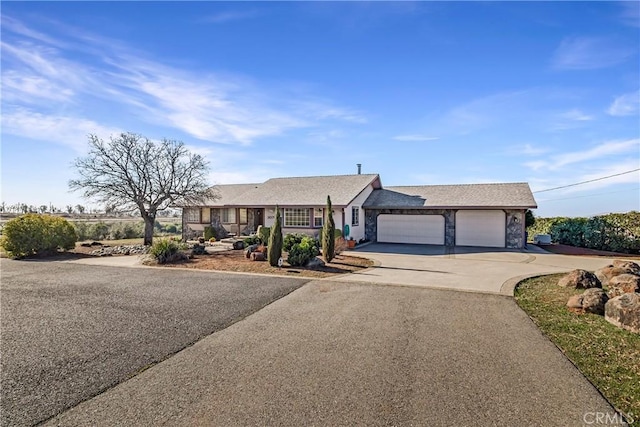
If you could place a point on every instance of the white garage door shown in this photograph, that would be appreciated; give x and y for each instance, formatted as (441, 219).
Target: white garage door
(480, 228)
(423, 229)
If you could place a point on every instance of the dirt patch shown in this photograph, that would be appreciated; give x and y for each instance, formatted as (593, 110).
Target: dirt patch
(236, 261)
(573, 250)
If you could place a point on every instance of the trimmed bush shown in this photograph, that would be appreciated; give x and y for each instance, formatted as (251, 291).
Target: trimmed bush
(275, 241)
(328, 232)
(33, 234)
(301, 253)
(292, 239)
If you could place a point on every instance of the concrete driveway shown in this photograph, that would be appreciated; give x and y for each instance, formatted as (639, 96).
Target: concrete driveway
(487, 270)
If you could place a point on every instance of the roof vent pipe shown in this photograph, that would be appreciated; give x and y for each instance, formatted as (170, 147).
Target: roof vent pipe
(359, 168)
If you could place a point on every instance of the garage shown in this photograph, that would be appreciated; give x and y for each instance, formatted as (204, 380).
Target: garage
(420, 229)
(481, 228)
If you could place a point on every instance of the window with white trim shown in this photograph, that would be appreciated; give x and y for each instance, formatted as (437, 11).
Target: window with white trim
(318, 217)
(243, 215)
(355, 215)
(192, 215)
(228, 216)
(296, 217)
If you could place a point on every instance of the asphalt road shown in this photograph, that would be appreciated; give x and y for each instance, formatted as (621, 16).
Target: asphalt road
(337, 354)
(69, 332)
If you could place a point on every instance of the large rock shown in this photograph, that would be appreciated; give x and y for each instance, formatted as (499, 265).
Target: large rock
(627, 265)
(624, 312)
(623, 284)
(616, 269)
(590, 301)
(579, 279)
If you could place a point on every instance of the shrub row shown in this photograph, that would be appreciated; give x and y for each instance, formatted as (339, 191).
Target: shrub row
(119, 230)
(32, 234)
(612, 232)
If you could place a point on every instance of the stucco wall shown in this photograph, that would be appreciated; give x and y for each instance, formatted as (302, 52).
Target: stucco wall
(357, 232)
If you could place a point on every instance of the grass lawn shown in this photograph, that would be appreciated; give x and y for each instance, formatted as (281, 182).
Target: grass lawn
(608, 356)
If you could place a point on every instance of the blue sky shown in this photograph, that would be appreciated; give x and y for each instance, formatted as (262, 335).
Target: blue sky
(421, 93)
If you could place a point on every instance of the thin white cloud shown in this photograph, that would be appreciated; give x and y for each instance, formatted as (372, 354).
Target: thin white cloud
(527, 150)
(576, 115)
(63, 130)
(415, 137)
(585, 53)
(212, 107)
(601, 151)
(625, 105)
(224, 17)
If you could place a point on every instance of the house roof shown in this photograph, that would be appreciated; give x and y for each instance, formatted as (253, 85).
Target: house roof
(507, 195)
(300, 191)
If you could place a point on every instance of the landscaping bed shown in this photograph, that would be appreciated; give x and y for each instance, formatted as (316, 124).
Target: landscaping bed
(236, 261)
(607, 355)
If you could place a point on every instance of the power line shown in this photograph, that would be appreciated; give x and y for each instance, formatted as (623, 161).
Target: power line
(585, 182)
(590, 195)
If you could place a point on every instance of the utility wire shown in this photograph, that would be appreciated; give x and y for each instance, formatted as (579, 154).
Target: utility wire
(585, 182)
(591, 195)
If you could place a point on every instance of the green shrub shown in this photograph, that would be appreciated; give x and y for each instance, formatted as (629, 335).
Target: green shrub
(292, 239)
(328, 232)
(263, 234)
(617, 232)
(301, 253)
(126, 230)
(167, 250)
(32, 234)
(82, 230)
(98, 231)
(210, 232)
(172, 228)
(251, 240)
(275, 241)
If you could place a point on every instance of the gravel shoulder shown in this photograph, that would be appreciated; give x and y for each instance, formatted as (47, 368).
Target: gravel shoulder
(70, 331)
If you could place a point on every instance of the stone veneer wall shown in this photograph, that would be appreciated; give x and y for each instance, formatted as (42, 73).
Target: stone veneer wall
(515, 229)
(371, 221)
(514, 232)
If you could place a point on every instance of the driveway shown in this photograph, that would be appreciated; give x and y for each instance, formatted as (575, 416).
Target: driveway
(335, 353)
(69, 331)
(466, 269)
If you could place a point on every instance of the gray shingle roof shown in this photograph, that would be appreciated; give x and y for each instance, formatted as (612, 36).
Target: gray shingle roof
(301, 191)
(506, 195)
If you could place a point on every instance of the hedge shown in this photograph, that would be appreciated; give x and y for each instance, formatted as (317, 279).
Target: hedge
(33, 234)
(616, 232)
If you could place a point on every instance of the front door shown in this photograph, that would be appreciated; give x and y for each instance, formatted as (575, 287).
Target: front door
(259, 217)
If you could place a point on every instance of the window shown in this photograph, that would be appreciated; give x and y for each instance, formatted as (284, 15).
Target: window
(228, 216)
(243, 215)
(318, 218)
(296, 217)
(206, 215)
(355, 215)
(193, 215)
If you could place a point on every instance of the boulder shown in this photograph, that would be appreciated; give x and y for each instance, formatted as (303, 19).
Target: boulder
(623, 284)
(258, 256)
(627, 265)
(238, 245)
(624, 312)
(590, 301)
(580, 279)
(610, 271)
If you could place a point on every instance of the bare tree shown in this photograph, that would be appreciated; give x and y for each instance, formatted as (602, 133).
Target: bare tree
(80, 209)
(132, 172)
